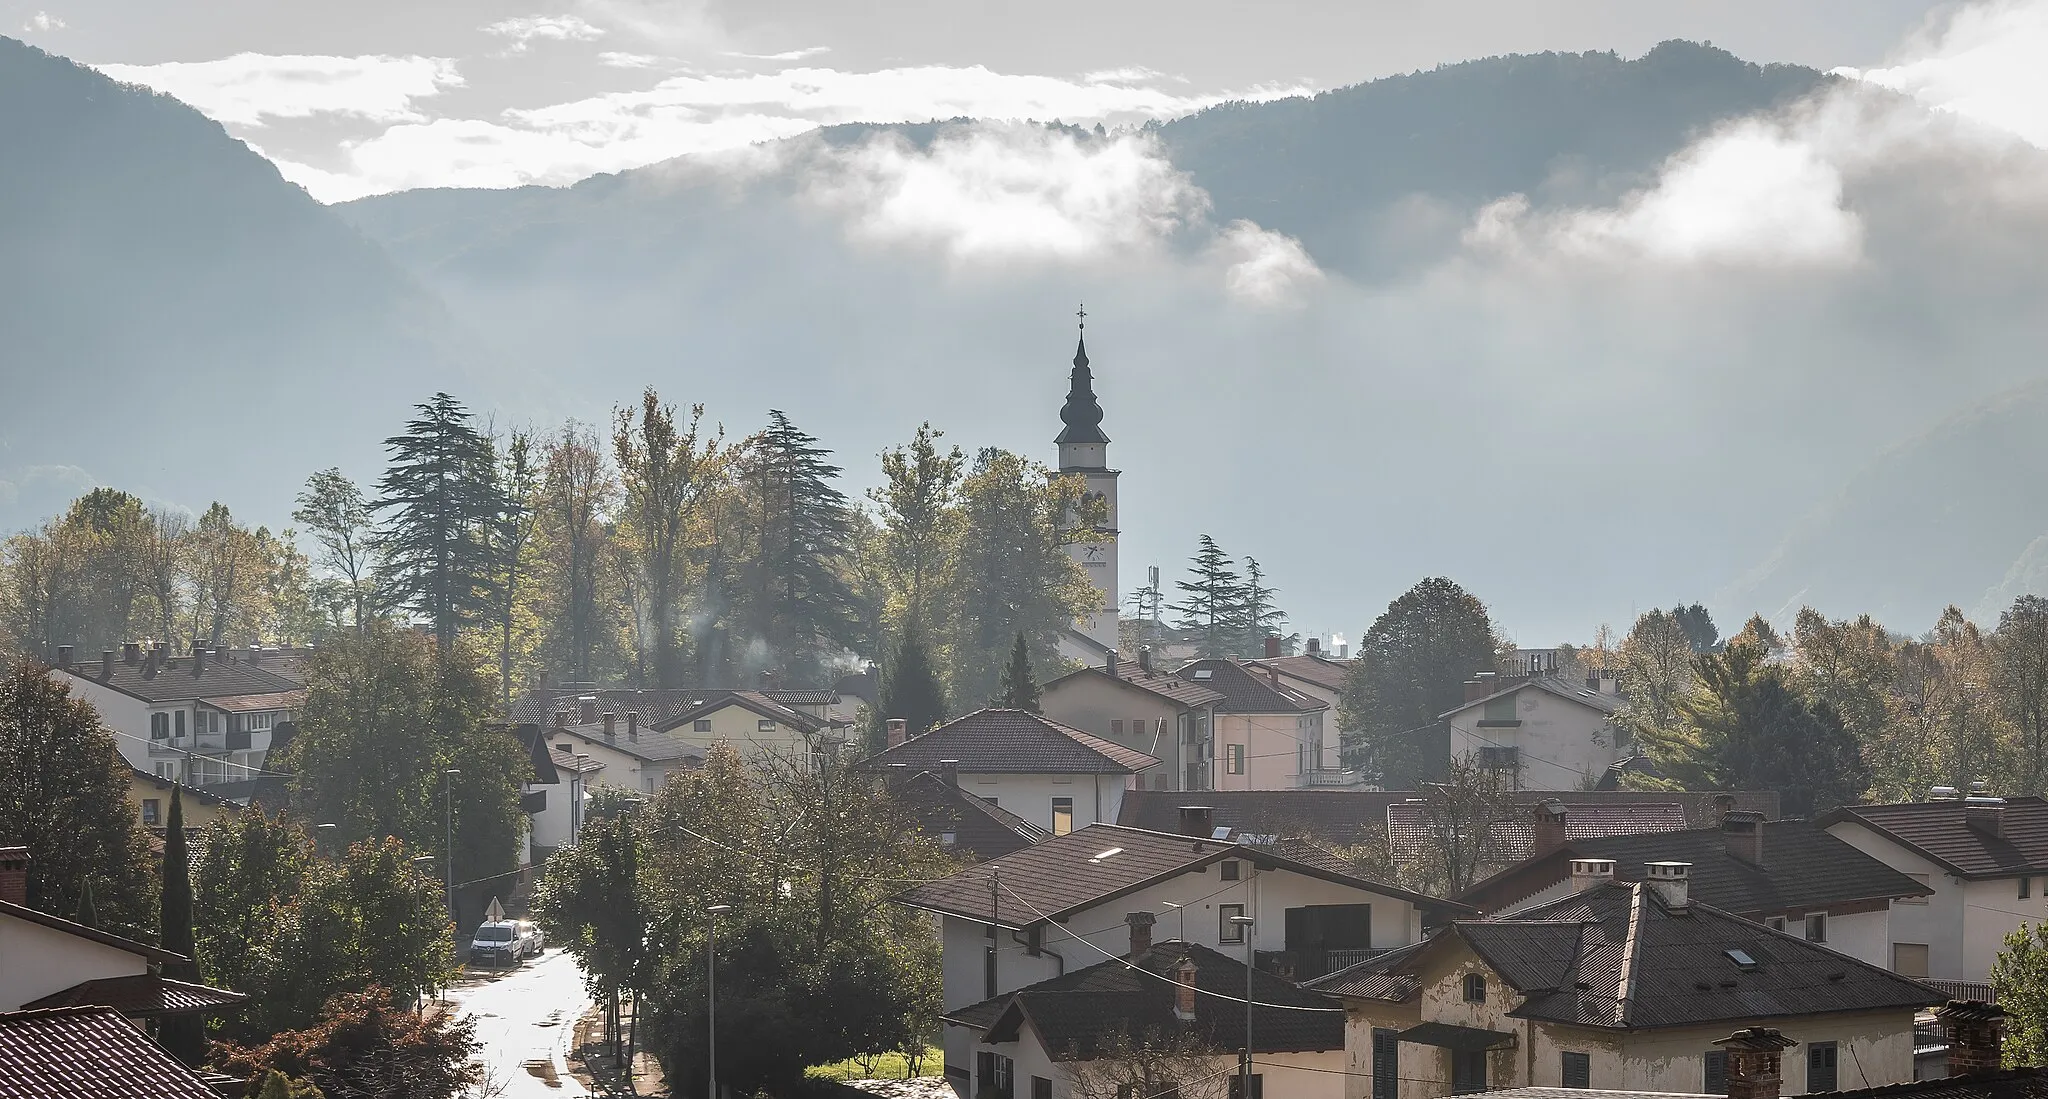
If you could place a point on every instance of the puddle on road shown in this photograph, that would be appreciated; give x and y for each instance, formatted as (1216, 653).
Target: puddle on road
(545, 1071)
(554, 1019)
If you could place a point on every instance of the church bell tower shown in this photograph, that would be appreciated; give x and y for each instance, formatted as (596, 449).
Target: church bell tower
(1084, 452)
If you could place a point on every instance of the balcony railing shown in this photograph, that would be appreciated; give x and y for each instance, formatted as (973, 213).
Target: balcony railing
(1332, 778)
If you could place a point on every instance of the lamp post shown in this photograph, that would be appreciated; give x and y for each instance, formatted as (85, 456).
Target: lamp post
(711, 989)
(1244, 926)
(448, 837)
(576, 792)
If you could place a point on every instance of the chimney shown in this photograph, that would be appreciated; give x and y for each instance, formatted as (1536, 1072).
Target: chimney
(1587, 873)
(1272, 647)
(561, 719)
(107, 663)
(64, 656)
(14, 875)
(1109, 665)
(1547, 827)
(1141, 931)
(949, 772)
(1724, 804)
(198, 659)
(1753, 1062)
(1943, 793)
(1481, 685)
(1197, 821)
(198, 644)
(588, 711)
(1184, 994)
(1145, 659)
(1273, 677)
(899, 729)
(1745, 835)
(1671, 880)
(1975, 1030)
(131, 652)
(1985, 815)
(632, 725)
(1315, 646)
(611, 725)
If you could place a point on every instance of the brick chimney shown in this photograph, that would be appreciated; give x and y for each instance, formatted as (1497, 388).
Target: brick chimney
(14, 875)
(198, 658)
(1184, 993)
(1145, 659)
(1272, 647)
(131, 652)
(1140, 924)
(1745, 835)
(64, 656)
(1315, 646)
(1975, 1031)
(1546, 825)
(899, 729)
(611, 725)
(632, 725)
(107, 663)
(1481, 685)
(586, 711)
(1197, 821)
(1985, 815)
(1109, 665)
(1587, 873)
(1754, 1071)
(949, 772)
(1672, 881)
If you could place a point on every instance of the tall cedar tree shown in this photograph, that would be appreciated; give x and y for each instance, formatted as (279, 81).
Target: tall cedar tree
(1698, 626)
(667, 467)
(182, 1036)
(440, 498)
(1019, 689)
(797, 605)
(1214, 602)
(910, 688)
(1262, 619)
(64, 796)
(1412, 666)
(1746, 728)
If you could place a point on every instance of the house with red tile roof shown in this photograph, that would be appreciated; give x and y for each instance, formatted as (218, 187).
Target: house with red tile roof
(88, 1053)
(1052, 775)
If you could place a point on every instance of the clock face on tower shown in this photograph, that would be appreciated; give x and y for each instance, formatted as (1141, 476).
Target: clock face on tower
(1093, 553)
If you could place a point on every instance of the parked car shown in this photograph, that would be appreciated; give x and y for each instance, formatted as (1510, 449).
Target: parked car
(498, 944)
(533, 937)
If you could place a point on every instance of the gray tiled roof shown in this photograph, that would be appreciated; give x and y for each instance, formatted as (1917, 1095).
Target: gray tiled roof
(1246, 691)
(1074, 1011)
(653, 705)
(87, 1051)
(1552, 685)
(1380, 977)
(1514, 838)
(1938, 830)
(1171, 686)
(753, 701)
(652, 746)
(175, 680)
(1320, 670)
(980, 830)
(1010, 742)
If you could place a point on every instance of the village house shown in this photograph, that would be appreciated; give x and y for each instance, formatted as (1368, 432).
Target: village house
(1547, 730)
(1419, 836)
(1066, 903)
(969, 827)
(1628, 986)
(1268, 736)
(90, 1051)
(1312, 673)
(1056, 777)
(1984, 861)
(629, 756)
(151, 796)
(759, 728)
(1790, 875)
(1160, 713)
(1075, 1036)
(200, 719)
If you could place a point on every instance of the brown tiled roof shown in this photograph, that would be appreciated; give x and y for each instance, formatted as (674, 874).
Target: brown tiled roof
(1804, 868)
(1074, 1011)
(87, 1053)
(1171, 686)
(196, 793)
(1010, 742)
(1513, 839)
(255, 703)
(2012, 1083)
(800, 696)
(1320, 670)
(1248, 692)
(72, 927)
(141, 996)
(980, 830)
(1099, 863)
(1384, 976)
(1938, 830)
(174, 681)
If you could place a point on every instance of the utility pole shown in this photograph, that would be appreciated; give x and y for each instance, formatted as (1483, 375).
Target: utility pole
(710, 994)
(1244, 924)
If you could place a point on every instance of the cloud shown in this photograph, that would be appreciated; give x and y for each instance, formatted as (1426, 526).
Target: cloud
(249, 88)
(1983, 62)
(521, 32)
(1265, 267)
(615, 60)
(42, 21)
(786, 55)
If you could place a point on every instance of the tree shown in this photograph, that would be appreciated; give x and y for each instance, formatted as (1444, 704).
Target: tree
(276, 1085)
(510, 537)
(1177, 1062)
(666, 470)
(332, 509)
(166, 568)
(795, 607)
(1214, 601)
(2020, 652)
(1018, 689)
(911, 689)
(64, 796)
(921, 484)
(1698, 626)
(589, 900)
(1459, 815)
(1748, 729)
(1657, 676)
(576, 499)
(1261, 618)
(182, 1036)
(2019, 975)
(228, 573)
(1412, 666)
(254, 864)
(439, 498)
(368, 1044)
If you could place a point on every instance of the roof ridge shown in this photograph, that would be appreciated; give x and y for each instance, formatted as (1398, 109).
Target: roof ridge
(1624, 993)
(32, 1013)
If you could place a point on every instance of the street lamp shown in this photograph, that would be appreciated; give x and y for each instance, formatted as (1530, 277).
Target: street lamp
(1244, 926)
(576, 791)
(448, 837)
(711, 988)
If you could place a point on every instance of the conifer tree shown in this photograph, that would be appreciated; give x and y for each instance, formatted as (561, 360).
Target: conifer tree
(182, 1036)
(911, 688)
(1261, 618)
(795, 600)
(1019, 688)
(1215, 602)
(441, 499)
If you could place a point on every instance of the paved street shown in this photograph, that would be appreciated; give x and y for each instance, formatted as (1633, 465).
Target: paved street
(524, 1018)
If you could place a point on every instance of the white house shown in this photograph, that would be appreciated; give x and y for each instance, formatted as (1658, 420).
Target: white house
(628, 756)
(1058, 778)
(759, 728)
(1550, 731)
(1985, 862)
(1064, 904)
(199, 719)
(1268, 735)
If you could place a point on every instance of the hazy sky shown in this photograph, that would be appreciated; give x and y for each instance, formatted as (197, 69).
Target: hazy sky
(380, 95)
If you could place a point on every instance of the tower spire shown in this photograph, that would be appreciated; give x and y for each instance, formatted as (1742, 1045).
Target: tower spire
(1082, 414)
(1081, 344)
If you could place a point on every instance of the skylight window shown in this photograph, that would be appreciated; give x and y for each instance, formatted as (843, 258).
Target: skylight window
(1204, 673)
(1741, 959)
(1107, 854)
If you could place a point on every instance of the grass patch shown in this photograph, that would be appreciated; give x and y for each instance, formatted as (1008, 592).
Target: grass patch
(889, 1066)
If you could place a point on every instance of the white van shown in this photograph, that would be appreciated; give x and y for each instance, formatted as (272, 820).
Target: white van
(499, 944)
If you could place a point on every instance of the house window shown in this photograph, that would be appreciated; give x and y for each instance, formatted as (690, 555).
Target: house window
(996, 1074)
(1909, 959)
(1922, 899)
(1468, 1070)
(1500, 759)
(1227, 870)
(179, 731)
(2026, 888)
(1820, 1066)
(1500, 709)
(1775, 923)
(1817, 929)
(1386, 1063)
(1577, 1071)
(1475, 988)
(165, 770)
(1116, 726)
(1041, 1088)
(159, 726)
(151, 808)
(1258, 1086)
(1716, 1082)
(765, 725)
(1234, 759)
(1228, 930)
(701, 725)
(1062, 816)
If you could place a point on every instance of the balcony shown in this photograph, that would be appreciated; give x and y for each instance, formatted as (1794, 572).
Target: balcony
(1330, 778)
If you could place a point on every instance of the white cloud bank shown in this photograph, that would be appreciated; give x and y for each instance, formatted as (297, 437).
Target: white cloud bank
(42, 21)
(1987, 62)
(523, 31)
(249, 88)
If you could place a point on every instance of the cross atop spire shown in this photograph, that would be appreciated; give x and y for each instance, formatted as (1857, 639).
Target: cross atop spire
(1083, 314)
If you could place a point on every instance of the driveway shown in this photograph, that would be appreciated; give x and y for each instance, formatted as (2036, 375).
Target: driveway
(525, 1018)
